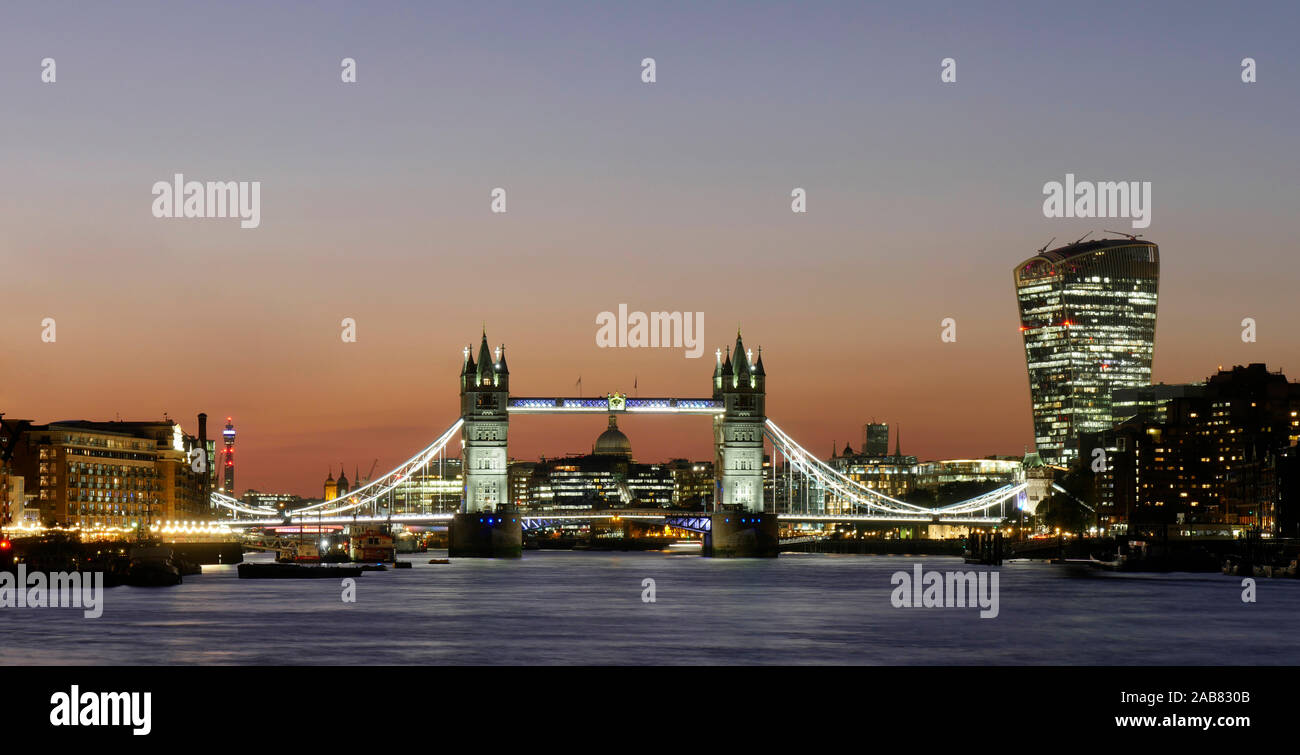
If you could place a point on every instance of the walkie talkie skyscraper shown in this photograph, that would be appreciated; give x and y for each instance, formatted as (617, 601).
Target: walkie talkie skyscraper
(1088, 318)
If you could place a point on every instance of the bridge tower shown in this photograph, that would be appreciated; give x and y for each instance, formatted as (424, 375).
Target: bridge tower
(487, 525)
(740, 526)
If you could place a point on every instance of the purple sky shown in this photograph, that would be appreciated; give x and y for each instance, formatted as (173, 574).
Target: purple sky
(672, 196)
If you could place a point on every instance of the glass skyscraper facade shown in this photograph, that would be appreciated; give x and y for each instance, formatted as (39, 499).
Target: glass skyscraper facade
(1088, 318)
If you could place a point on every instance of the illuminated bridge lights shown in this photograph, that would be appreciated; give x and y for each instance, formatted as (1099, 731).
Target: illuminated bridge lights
(866, 504)
(614, 403)
(694, 523)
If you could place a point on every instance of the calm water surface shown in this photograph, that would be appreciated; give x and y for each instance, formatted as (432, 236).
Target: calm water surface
(584, 608)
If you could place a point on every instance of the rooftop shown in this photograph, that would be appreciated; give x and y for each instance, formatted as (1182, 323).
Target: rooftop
(1070, 251)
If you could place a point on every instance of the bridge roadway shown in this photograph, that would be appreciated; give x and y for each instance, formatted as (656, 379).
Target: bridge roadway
(692, 520)
(617, 403)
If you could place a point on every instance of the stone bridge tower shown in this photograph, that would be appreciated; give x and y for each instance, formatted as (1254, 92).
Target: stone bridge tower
(739, 382)
(486, 525)
(740, 527)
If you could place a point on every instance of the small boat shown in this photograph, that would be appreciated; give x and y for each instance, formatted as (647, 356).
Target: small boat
(409, 544)
(1234, 566)
(152, 566)
(1276, 570)
(440, 561)
(1081, 567)
(299, 553)
(371, 545)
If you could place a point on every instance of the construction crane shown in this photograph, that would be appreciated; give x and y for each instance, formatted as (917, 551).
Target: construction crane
(371, 473)
(1130, 236)
(1081, 238)
(1044, 246)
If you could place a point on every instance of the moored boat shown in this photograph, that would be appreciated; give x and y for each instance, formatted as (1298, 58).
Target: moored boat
(372, 545)
(152, 566)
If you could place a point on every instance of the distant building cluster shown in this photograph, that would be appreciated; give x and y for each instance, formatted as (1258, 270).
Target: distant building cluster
(1219, 453)
(905, 477)
(120, 475)
(607, 478)
(1211, 457)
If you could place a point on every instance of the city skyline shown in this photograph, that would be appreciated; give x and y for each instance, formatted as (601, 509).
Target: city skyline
(575, 427)
(670, 197)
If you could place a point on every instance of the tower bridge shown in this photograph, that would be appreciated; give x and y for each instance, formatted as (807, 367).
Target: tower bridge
(743, 521)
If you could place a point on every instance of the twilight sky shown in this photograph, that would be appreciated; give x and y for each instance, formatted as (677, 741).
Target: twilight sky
(672, 196)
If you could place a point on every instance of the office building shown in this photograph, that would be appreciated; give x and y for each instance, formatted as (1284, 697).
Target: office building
(1088, 319)
(113, 474)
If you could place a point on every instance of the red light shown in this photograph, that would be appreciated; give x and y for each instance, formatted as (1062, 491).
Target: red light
(5, 544)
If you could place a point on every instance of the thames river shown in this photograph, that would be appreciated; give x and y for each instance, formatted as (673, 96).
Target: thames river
(588, 608)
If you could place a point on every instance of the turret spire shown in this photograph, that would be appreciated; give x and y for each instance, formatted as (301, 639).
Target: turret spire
(742, 359)
(484, 359)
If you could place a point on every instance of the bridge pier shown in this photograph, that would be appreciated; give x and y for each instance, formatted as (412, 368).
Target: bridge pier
(742, 534)
(485, 535)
